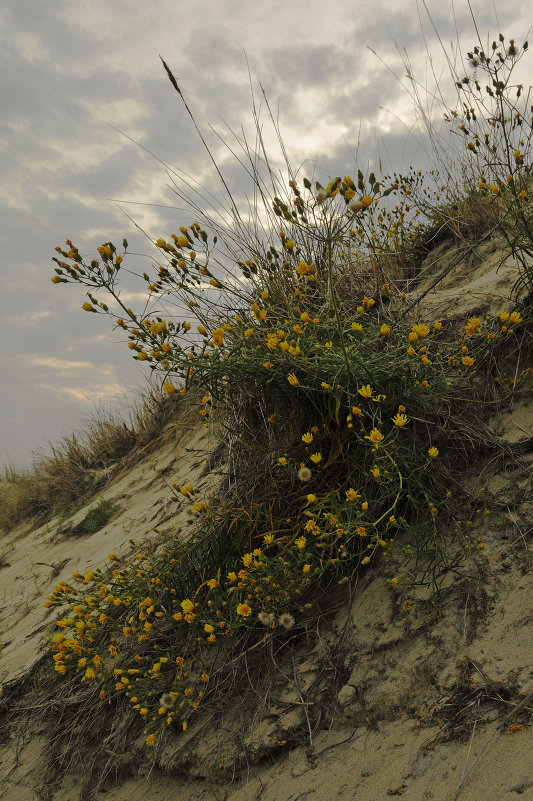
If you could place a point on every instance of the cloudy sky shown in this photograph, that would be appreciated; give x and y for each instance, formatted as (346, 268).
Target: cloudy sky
(74, 71)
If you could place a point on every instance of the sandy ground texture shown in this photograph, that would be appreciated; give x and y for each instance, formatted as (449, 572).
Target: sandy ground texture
(421, 703)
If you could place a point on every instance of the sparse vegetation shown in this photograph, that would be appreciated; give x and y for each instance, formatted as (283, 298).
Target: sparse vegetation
(96, 518)
(81, 464)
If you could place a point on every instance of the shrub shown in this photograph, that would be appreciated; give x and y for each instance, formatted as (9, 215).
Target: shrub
(347, 425)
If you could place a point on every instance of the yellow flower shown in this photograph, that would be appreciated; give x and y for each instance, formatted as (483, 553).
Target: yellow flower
(384, 329)
(302, 268)
(366, 200)
(249, 333)
(420, 330)
(306, 568)
(365, 561)
(400, 420)
(364, 506)
(289, 244)
(368, 302)
(375, 471)
(437, 326)
(87, 307)
(365, 391)
(55, 279)
(351, 494)
(473, 326)
(433, 452)
(375, 436)
(169, 388)
(208, 628)
(268, 539)
(267, 365)
(307, 438)
(325, 385)
(243, 610)
(311, 498)
(361, 531)
(300, 542)
(282, 460)
(515, 317)
(293, 381)
(187, 605)
(467, 361)
(357, 327)
(316, 457)
(212, 583)
(494, 189)
(411, 351)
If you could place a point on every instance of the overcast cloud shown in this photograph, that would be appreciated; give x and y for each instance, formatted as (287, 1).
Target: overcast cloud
(72, 69)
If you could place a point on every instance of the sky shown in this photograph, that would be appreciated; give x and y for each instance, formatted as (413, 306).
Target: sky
(89, 121)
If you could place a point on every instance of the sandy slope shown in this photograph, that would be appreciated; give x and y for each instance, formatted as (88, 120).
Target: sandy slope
(397, 703)
(41, 557)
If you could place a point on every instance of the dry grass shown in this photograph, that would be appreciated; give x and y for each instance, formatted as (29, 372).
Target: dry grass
(79, 465)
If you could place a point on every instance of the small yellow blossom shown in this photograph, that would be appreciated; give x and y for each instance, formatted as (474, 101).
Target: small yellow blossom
(433, 452)
(307, 438)
(375, 471)
(357, 327)
(400, 420)
(243, 610)
(282, 460)
(365, 391)
(300, 542)
(293, 381)
(311, 498)
(316, 457)
(351, 494)
(384, 330)
(375, 436)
